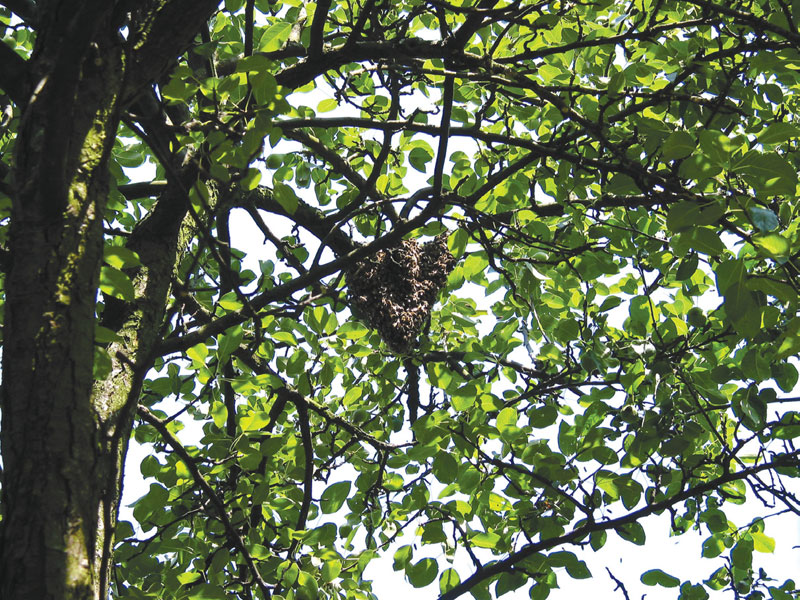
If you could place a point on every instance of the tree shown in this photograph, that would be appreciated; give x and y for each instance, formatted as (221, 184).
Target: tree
(538, 284)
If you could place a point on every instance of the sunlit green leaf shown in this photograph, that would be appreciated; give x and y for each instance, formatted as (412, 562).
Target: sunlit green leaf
(275, 36)
(116, 283)
(772, 244)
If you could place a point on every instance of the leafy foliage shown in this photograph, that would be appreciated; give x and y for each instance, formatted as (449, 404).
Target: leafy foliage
(618, 185)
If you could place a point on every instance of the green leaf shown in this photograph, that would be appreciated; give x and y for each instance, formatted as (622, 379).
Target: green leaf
(251, 179)
(445, 468)
(485, 540)
(772, 244)
(229, 342)
(331, 569)
(763, 218)
(507, 421)
(422, 573)
(713, 546)
(402, 557)
(265, 89)
(749, 407)
(178, 89)
(288, 572)
(419, 159)
(777, 133)
(659, 577)
(253, 64)
(275, 36)
(788, 426)
(597, 540)
(327, 105)
(679, 144)
(198, 353)
(199, 196)
(103, 335)
(307, 588)
(120, 257)
(788, 344)
(693, 592)
(704, 240)
(286, 197)
(576, 568)
(206, 591)
(742, 309)
(632, 532)
(333, 496)
(762, 542)
(622, 184)
(768, 173)
(114, 282)
(448, 580)
(742, 554)
(464, 397)
(230, 301)
(719, 579)
(728, 273)
(698, 167)
(101, 365)
(543, 416)
(687, 267)
(190, 577)
(220, 414)
(509, 581)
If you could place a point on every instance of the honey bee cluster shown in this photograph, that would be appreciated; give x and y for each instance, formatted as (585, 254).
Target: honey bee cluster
(393, 290)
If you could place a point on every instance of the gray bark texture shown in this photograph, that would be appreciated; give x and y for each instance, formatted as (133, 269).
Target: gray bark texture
(64, 436)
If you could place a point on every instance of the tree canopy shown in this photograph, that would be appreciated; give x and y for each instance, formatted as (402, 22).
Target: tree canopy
(526, 277)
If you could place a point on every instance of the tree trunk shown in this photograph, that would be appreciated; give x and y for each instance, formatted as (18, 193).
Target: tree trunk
(49, 445)
(64, 436)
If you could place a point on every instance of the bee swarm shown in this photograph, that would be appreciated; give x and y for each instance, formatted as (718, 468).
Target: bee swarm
(394, 290)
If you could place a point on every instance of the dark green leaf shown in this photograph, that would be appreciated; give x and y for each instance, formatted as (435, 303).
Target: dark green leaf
(334, 496)
(445, 468)
(422, 573)
(659, 577)
(679, 144)
(632, 532)
(776, 133)
(419, 159)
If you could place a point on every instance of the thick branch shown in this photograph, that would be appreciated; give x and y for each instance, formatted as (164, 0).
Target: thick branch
(557, 151)
(318, 27)
(142, 189)
(160, 35)
(402, 53)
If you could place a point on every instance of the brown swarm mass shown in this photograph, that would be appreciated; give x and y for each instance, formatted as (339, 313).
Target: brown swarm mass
(394, 290)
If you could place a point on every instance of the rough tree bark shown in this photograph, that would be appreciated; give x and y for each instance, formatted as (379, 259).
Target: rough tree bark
(63, 436)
